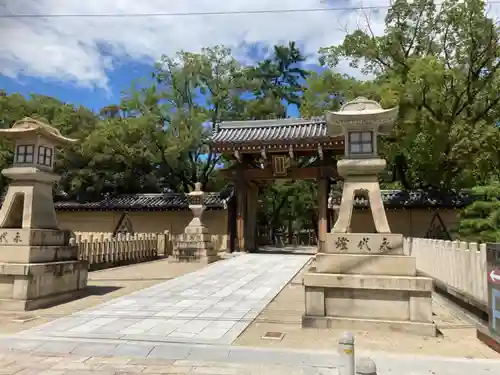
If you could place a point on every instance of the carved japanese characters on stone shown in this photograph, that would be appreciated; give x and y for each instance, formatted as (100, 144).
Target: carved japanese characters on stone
(385, 245)
(341, 243)
(363, 244)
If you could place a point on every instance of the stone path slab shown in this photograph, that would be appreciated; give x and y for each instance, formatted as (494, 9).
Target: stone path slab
(212, 305)
(118, 356)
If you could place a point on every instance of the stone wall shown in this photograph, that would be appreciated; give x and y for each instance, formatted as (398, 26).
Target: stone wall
(412, 222)
(106, 222)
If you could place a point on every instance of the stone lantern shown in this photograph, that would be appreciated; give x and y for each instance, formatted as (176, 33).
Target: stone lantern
(28, 202)
(195, 244)
(364, 280)
(360, 122)
(196, 202)
(35, 255)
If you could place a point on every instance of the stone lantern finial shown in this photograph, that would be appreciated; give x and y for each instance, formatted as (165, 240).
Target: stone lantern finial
(28, 202)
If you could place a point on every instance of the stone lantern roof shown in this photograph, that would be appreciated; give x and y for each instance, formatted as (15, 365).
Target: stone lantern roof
(360, 114)
(28, 126)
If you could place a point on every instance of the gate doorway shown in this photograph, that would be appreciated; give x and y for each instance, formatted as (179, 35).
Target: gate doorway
(263, 151)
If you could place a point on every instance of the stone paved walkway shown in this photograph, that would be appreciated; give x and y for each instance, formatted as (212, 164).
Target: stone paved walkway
(212, 305)
(186, 326)
(118, 357)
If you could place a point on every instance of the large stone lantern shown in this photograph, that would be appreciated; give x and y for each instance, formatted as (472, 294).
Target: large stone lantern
(361, 121)
(28, 202)
(364, 280)
(37, 264)
(195, 244)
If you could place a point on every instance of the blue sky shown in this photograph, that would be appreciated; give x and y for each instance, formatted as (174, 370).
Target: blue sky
(92, 97)
(90, 60)
(120, 79)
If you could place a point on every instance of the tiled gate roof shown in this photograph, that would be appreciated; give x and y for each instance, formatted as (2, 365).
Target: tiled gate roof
(282, 131)
(142, 202)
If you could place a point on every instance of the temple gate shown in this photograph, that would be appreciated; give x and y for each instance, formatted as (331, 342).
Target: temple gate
(266, 150)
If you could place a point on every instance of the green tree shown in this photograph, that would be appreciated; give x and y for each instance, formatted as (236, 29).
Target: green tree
(198, 90)
(74, 122)
(327, 91)
(116, 158)
(480, 221)
(276, 82)
(439, 63)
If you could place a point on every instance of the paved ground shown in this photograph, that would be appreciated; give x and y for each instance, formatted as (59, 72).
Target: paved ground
(457, 331)
(212, 305)
(104, 285)
(97, 341)
(118, 357)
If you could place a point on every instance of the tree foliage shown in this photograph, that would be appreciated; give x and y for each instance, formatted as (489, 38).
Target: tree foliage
(480, 221)
(439, 63)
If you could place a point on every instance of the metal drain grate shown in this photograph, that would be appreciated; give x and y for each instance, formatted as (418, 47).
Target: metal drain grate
(273, 336)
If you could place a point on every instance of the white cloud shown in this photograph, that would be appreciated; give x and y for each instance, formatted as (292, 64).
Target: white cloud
(83, 50)
(71, 49)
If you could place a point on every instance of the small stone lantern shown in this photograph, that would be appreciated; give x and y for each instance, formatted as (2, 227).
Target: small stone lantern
(28, 202)
(361, 121)
(196, 202)
(195, 244)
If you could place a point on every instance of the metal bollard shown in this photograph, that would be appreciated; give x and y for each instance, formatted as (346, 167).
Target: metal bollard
(346, 352)
(366, 366)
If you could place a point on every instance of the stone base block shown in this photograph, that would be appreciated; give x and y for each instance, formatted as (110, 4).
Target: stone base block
(34, 237)
(200, 259)
(32, 286)
(327, 322)
(193, 237)
(196, 229)
(345, 281)
(194, 252)
(37, 254)
(364, 243)
(392, 265)
(374, 298)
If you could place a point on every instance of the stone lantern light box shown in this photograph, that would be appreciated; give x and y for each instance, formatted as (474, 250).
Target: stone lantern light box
(28, 202)
(361, 121)
(35, 143)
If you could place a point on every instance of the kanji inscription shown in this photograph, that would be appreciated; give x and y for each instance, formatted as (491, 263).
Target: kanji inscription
(363, 244)
(341, 243)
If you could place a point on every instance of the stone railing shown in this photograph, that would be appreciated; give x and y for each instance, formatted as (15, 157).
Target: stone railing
(457, 267)
(102, 250)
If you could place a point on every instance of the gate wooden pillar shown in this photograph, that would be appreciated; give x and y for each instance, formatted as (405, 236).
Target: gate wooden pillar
(241, 208)
(251, 218)
(323, 184)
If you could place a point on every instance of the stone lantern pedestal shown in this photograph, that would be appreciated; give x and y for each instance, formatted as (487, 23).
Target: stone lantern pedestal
(195, 244)
(364, 280)
(38, 266)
